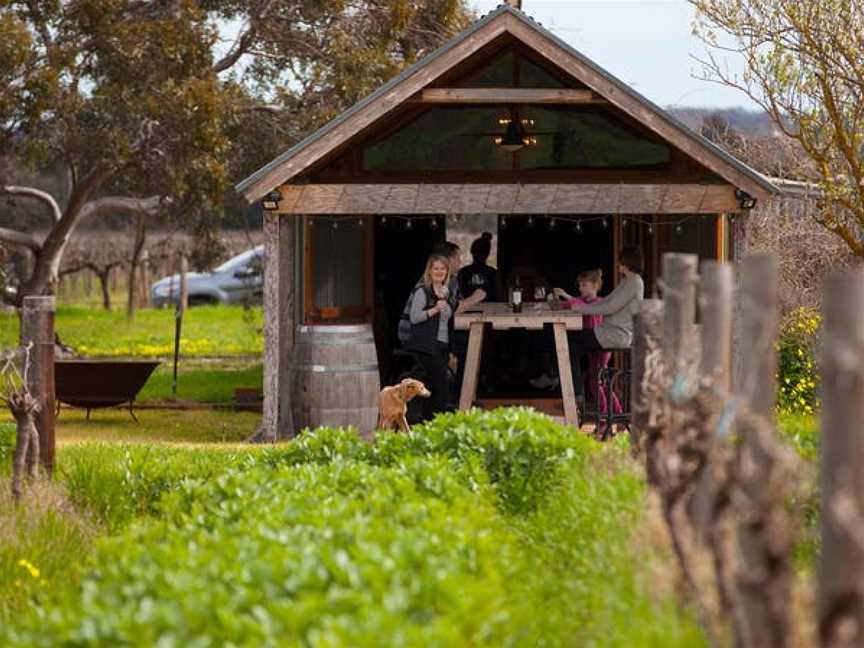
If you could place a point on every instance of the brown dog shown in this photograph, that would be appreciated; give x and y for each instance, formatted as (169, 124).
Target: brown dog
(393, 403)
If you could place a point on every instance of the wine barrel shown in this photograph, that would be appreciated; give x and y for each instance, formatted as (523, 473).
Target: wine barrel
(335, 379)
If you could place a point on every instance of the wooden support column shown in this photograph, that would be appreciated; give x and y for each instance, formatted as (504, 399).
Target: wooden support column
(37, 327)
(279, 257)
(841, 562)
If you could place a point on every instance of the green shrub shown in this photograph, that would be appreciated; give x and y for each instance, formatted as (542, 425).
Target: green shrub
(798, 379)
(120, 482)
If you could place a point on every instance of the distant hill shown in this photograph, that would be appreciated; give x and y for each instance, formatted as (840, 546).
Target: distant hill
(746, 122)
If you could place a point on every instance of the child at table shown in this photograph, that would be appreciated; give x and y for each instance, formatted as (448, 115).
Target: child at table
(590, 282)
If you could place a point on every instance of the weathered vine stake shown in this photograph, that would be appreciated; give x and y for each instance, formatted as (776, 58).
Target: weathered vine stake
(713, 458)
(841, 566)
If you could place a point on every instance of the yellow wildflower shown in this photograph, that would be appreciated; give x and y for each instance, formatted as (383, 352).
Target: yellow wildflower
(30, 567)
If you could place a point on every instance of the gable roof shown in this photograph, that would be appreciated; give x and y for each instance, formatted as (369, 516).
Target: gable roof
(504, 19)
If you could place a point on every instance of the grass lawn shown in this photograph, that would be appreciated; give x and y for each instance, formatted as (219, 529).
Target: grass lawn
(206, 331)
(203, 380)
(156, 426)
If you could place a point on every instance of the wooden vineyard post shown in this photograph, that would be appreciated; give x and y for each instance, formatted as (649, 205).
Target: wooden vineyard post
(37, 328)
(841, 567)
(716, 294)
(647, 322)
(679, 315)
(767, 618)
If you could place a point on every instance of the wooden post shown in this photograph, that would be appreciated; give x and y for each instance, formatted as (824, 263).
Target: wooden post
(755, 386)
(37, 327)
(716, 291)
(472, 366)
(841, 565)
(144, 290)
(184, 288)
(716, 284)
(647, 322)
(279, 256)
(679, 314)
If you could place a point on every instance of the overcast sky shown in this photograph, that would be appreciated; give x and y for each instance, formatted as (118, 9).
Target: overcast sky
(646, 43)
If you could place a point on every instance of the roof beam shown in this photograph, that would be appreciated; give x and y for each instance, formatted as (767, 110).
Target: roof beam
(507, 96)
(549, 199)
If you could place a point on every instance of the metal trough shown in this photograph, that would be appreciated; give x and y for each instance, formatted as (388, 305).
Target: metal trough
(91, 383)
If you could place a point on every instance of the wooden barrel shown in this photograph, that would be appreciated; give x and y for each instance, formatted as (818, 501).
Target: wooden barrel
(335, 380)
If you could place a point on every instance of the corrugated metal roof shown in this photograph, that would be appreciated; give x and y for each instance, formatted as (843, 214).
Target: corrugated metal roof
(256, 177)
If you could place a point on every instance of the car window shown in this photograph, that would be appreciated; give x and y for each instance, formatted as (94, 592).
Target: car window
(240, 261)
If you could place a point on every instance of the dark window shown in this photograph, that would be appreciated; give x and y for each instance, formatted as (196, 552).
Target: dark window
(461, 138)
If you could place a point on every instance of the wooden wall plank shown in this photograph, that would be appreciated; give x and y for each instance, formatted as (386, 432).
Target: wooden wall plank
(501, 199)
(401, 199)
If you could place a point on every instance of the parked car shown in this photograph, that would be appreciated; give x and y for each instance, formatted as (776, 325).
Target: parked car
(239, 280)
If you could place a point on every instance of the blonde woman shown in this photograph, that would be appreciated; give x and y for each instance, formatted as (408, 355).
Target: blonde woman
(432, 306)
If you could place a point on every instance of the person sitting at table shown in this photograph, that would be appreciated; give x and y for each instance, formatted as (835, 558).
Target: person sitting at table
(432, 308)
(479, 275)
(617, 309)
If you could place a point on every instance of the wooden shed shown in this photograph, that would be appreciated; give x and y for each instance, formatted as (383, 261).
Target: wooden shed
(505, 119)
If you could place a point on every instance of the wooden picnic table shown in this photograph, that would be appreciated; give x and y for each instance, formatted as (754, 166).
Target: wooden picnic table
(533, 317)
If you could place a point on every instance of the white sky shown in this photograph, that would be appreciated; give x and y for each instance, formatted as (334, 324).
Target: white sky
(645, 43)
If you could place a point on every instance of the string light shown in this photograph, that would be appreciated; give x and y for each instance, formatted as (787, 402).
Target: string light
(623, 222)
(679, 229)
(530, 221)
(553, 223)
(383, 220)
(578, 227)
(409, 225)
(503, 222)
(605, 223)
(650, 230)
(434, 224)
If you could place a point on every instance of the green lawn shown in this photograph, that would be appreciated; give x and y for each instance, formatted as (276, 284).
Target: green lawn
(206, 331)
(210, 381)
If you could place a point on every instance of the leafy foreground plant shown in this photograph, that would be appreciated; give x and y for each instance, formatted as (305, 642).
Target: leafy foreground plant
(438, 538)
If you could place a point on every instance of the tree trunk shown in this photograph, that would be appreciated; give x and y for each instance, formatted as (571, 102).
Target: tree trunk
(137, 249)
(104, 282)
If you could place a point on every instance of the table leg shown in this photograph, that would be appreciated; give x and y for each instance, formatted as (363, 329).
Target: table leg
(472, 366)
(562, 350)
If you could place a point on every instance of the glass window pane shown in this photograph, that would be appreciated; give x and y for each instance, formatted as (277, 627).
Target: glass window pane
(496, 74)
(442, 138)
(569, 138)
(338, 262)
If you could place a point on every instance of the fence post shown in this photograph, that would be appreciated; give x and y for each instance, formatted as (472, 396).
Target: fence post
(647, 322)
(716, 292)
(679, 339)
(841, 566)
(37, 326)
(756, 388)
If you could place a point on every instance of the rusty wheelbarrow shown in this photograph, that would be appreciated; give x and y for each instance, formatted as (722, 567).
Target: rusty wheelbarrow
(94, 383)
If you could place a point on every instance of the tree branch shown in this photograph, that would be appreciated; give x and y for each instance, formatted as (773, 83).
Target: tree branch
(19, 239)
(244, 41)
(121, 205)
(36, 194)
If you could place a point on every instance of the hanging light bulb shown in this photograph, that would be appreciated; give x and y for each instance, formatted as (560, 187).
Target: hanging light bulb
(434, 224)
(503, 222)
(624, 222)
(409, 225)
(553, 223)
(530, 221)
(679, 229)
(650, 230)
(361, 222)
(383, 220)
(605, 223)
(578, 227)
(335, 225)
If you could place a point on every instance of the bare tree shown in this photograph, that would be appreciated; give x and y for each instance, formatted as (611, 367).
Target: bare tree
(804, 67)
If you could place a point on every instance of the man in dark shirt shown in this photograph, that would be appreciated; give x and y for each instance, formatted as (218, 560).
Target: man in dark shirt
(478, 275)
